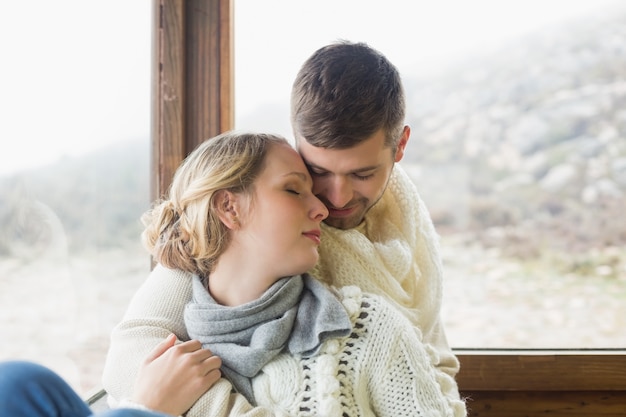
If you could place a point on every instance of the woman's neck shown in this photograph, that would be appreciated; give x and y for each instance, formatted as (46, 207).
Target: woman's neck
(235, 281)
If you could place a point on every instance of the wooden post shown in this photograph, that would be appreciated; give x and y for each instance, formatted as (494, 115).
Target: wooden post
(192, 86)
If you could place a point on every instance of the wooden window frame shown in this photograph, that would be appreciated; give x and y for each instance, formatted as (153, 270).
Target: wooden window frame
(192, 73)
(192, 90)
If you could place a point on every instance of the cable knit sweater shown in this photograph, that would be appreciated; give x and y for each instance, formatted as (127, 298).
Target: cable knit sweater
(395, 255)
(382, 369)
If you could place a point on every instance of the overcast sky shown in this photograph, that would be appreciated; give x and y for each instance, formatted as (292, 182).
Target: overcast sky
(417, 35)
(75, 73)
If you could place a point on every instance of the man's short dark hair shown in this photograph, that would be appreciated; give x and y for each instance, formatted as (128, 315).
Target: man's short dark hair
(344, 93)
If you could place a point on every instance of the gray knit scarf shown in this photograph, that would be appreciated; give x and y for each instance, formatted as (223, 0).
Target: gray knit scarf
(297, 314)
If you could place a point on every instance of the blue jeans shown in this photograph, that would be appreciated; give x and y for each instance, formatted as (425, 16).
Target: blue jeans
(31, 390)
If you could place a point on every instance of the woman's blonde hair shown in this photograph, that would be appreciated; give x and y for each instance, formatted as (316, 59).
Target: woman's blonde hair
(183, 230)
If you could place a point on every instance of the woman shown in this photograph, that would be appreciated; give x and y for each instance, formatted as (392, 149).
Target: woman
(242, 224)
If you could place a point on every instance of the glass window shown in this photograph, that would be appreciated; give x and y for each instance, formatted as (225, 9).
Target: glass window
(517, 148)
(73, 178)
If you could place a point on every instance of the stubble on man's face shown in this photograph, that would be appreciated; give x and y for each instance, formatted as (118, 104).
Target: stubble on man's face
(360, 207)
(348, 204)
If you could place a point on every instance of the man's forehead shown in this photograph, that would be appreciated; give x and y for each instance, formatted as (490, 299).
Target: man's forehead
(365, 155)
(340, 162)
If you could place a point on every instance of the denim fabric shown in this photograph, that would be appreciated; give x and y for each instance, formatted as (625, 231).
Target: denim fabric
(31, 390)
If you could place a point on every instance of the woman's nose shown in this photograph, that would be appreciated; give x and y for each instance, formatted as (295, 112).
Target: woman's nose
(319, 211)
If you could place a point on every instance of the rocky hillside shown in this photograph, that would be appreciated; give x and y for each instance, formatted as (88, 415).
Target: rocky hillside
(526, 149)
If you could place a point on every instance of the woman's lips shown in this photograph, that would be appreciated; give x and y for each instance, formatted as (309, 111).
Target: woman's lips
(314, 235)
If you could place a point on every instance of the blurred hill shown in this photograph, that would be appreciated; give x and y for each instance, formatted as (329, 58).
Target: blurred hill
(522, 149)
(526, 148)
(78, 203)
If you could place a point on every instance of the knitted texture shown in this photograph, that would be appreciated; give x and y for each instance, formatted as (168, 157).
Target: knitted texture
(397, 252)
(382, 369)
(295, 315)
(394, 253)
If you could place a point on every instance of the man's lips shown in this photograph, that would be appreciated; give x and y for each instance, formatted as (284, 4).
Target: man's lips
(344, 212)
(314, 235)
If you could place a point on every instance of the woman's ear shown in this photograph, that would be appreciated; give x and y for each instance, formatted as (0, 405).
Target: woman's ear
(227, 208)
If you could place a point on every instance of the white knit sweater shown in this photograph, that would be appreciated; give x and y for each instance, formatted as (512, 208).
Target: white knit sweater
(382, 369)
(396, 255)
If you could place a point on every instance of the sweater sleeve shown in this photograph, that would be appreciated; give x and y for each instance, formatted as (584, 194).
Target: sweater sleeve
(428, 253)
(428, 299)
(155, 311)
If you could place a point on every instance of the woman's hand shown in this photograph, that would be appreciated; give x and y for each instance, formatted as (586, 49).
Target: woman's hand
(173, 377)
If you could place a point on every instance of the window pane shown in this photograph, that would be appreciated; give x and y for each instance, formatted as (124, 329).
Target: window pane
(517, 147)
(73, 178)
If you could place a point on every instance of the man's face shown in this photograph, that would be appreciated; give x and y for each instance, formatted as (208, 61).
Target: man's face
(350, 181)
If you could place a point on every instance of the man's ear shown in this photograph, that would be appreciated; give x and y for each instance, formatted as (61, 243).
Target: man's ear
(406, 132)
(227, 208)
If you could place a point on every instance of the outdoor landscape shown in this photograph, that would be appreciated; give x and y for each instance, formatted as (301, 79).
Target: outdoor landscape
(520, 157)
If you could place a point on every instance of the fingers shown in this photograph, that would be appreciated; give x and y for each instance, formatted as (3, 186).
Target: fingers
(212, 377)
(189, 346)
(161, 348)
(208, 373)
(190, 352)
(174, 376)
(211, 365)
(203, 359)
(201, 354)
(193, 354)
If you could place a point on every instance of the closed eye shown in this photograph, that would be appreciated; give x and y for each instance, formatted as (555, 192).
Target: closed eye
(363, 177)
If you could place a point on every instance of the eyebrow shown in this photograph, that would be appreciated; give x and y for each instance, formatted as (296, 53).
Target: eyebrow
(362, 169)
(298, 174)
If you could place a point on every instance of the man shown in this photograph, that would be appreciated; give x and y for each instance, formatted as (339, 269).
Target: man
(347, 112)
(348, 115)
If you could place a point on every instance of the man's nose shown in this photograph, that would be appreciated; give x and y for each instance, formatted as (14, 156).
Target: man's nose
(339, 192)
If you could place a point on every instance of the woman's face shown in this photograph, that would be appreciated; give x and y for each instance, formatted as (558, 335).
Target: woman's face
(281, 230)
